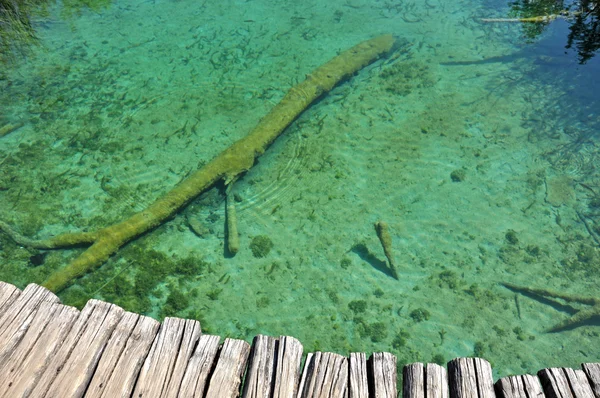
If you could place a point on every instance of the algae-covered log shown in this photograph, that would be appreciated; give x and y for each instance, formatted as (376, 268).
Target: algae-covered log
(233, 161)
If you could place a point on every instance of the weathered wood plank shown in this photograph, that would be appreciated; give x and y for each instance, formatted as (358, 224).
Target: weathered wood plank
(287, 369)
(123, 357)
(325, 375)
(21, 370)
(227, 376)
(19, 315)
(521, 386)
(424, 381)
(565, 383)
(358, 384)
(414, 380)
(73, 365)
(470, 378)
(383, 371)
(261, 368)
(202, 362)
(165, 365)
(437, 381)
(592, 370)
(8, 293)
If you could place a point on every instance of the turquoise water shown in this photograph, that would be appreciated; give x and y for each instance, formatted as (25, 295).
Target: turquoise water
(477, 145)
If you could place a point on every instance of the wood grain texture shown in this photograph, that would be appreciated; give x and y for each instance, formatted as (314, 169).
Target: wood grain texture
(26, 363)
(261, 368)
(520, 386)
(358, 384)
(15, 321)
(413, 383)
(202, 362)
(8, 293)
(383, 371)
(164, 368)
(287, 369)
(123, 357)
(592, 371)
(436, 381)
(73, 366)
(227, 377)
(470, 378)
(565, 383)
(325, 375)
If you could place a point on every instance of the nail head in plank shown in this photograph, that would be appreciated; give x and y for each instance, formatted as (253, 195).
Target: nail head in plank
(165, 365)
(8, 293)
(200, 366)
(287, 369)
(470, 378)
(28, 361)
(521, 386)
(359, 386)
(227, 377)
(383, 368)
(565, 383)
(325, 375)
(261, 368)
(592, 370)
(123, 357)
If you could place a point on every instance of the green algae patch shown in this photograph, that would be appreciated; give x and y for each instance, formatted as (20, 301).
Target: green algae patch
(261, 246)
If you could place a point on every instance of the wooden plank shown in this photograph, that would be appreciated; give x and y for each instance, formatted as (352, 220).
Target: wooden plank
(21, 370)
(383, 373)
(8, 294)
(325, 375)
(413, 384)
(520, 386)
(227, 377)
(565, 383)
(202, 362)
(261, 369)
(436, 381)
(19, 315)
(123, 357)
(287, 369)
(73, 365)
(592, 371)
(164, 368)
(358, 385)
(470, 378)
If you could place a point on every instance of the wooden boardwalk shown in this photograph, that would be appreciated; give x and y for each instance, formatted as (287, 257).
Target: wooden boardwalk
(51, 350)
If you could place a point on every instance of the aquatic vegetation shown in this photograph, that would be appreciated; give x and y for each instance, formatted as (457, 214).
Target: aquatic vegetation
(511, 237)
(401, 78)
(420, 315)
(261, 246)
(345, 262)
(458, 175)
(400, 339)
(357, 306)
(232, 162)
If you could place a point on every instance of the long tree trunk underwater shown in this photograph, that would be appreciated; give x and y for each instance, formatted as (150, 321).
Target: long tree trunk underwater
(228, 165)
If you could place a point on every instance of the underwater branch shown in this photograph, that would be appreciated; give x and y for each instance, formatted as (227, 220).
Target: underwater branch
(228, 165)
